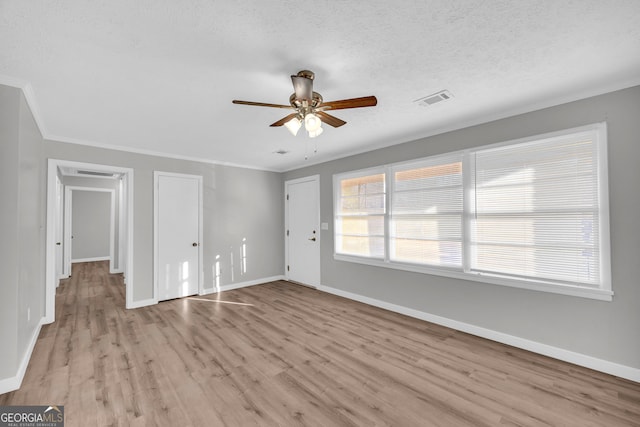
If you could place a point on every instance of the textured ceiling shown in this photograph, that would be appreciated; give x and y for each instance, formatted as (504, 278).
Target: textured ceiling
(158, 76)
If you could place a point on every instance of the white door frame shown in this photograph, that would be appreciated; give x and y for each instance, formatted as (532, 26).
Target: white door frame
(59, 231)
(122, 224)
(50, 272)
(313, 178)
(156, 207)
(68, 218)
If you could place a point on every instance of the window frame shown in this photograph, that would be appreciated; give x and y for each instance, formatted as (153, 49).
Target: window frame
(431, 161)
(336, 203)
(602, 292)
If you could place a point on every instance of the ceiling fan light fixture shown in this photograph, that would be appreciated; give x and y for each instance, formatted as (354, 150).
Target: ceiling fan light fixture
(312, 122)
(294, 125)
(313, 134)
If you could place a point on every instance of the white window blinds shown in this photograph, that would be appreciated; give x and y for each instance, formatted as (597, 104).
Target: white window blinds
(426, 212)
(360, 215)
(536, 210)
(531, 213)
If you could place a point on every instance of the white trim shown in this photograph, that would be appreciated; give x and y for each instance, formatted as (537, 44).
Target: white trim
(612, 368)
(14, 383)
(128, 267)
(337, 177)
(29, 95)
(246, 284)
(603, 202)
(156, 207)
(476, 121)
(121, 225)
(112, 234)
(9, 384)
(141, 303)
(98, 258)
(50, 278)
(460, 124)
(316, 180)
(67, 214)
(532, 285)
(155, 153)
(59, 229)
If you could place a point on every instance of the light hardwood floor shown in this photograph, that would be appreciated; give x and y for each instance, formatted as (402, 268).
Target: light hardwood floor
(283, 354)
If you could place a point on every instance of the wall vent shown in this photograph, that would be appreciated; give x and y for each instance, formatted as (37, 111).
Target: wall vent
(443, 95)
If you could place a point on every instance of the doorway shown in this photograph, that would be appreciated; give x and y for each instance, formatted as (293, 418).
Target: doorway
(55, 207)
(90, 226)
(302, 235)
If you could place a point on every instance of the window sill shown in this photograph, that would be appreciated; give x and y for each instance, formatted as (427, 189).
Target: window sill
(541, 286)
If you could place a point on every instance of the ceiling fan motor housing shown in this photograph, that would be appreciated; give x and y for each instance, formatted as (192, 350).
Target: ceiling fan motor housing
(306, 74)
(305, 106)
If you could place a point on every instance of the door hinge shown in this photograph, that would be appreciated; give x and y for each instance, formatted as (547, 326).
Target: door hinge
(287, 268)
(287, 197)
(287, 233)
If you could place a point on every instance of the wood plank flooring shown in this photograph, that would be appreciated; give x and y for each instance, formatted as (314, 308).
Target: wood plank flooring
(281, 354)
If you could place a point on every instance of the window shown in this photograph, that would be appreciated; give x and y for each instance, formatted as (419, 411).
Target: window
(537, 210)
(426, 212)
(360, 214)
(531, 213)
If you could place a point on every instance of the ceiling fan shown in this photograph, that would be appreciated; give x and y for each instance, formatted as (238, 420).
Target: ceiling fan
(309, 107)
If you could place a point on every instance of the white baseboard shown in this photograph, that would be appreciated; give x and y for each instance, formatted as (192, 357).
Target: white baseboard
(98, 258)
(152, 301)
(142, 303)
(579, 359)
(242, 284)
(14, 383)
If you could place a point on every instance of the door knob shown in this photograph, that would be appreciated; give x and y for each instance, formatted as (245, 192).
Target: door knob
(58, 243)
(194, 244)
(313, 239)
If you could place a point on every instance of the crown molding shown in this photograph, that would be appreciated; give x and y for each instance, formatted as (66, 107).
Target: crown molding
(30, 97)
(56, 138)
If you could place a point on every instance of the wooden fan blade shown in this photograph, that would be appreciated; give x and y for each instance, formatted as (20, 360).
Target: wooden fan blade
(303, 87)
(365, 101)
(261, 104)
(330, 120)
(283, 120)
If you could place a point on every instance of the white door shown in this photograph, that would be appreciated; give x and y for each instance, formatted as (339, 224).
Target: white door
(303, 230)
(177, 235)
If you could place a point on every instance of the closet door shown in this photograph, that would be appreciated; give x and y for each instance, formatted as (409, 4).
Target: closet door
(177, 235)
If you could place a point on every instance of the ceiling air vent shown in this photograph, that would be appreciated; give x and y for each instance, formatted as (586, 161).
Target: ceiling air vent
(281, 152)
(94, 173)
(443, 95)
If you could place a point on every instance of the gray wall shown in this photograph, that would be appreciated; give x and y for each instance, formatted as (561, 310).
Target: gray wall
(22, 219)
(605, 330)
(238, 204)
(9, 121)
(90, 224)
